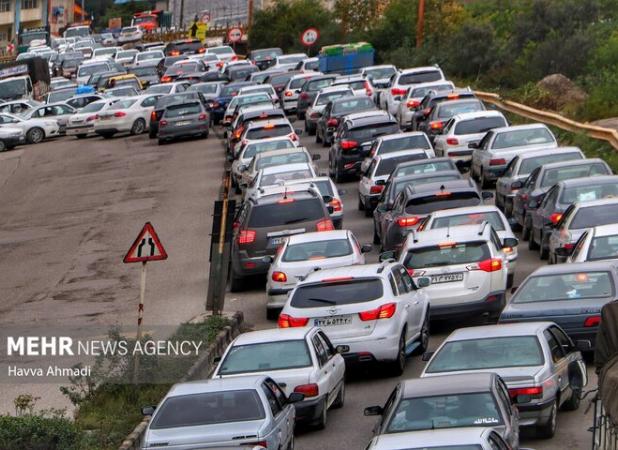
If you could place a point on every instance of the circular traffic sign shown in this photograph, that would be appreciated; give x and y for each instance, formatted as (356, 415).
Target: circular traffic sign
(309, 36)
(234, 34)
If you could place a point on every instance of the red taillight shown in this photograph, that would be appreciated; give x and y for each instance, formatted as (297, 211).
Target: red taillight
(413, 104)
(592, 321)
(569, 246)
(332, 122)
(310, 390)
(294, 137)
(246, 236)
(120, 114)
(348, 145)
(368, 89)
(220, 64)
(376, 189)
(91, 118)
(304, 96)
(288, 93)
(287, 321)
(397, 91)
(202, 50)
(162, 123)
(497, 162)
(202, 117)
(491, 265)
(166, 79)
(279, 277)
(404, 222)
(534, 392)
(324, 225)
(235, 58)
(555, 218)
(153, 116)
(452, 141)
(436, 125)
(238, 132)
(383, 312)
(410, 271)
(336, 205)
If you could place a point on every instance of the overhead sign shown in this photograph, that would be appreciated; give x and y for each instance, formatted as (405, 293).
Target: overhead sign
(309, 36)
(147, 247)
(234, 34)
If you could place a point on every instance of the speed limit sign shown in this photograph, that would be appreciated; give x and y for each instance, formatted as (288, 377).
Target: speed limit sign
(234, 35)
(309, 36)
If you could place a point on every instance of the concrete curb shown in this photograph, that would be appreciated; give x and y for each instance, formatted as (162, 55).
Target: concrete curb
(200, 369)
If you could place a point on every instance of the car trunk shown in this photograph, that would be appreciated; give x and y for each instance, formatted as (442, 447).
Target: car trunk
(205, 436)
(287, 379)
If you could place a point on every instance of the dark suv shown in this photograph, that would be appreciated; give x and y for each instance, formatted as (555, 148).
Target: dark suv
(263, 222)
(309, 91)
(167, 100)
(334, 111)
(353, 141)
(421, 118)
(416, 202)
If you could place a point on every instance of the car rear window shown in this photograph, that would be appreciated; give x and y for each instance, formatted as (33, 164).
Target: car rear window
(312, 65)
(420, 77)
(589, 192)
(446, 254)
(353, 105)
(445, 411)
(286, 213)
(428, 167)
(278, 160)
(209, 88)
(310, 251)
(431, 203)
(316, 85)
(401, 184)
(422, 91)
(274, 178)
(182, 110)
(480, 125)
(487, 353)
(280, 79)
(520, 138)
(449, 109)
(593, 216)
(344, 292)
(529, 164)
(565, 286)
(297, 83)
(208, 408)
(160, 89)
(323, 99)
(603, 247)
(553, 176)
(474, 218)
(269, 131)
(405, 143)
(230, 91)
(266, 356)
(386, 166)
(370, 132)
(259, 147)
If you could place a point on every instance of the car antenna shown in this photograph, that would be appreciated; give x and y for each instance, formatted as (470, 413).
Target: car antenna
(448, 230)
(285, 193)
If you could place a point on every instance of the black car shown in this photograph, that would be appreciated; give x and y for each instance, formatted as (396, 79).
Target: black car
(333, 112)
(279, 80)
(353, 141)
(167, 100)
(184, 47)
(264, 58)
(420, 118)
(309, 91)
(240, 72)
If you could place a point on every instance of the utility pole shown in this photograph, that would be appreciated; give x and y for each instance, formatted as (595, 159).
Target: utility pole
(420, 24)
(249, 14)
(182, 10)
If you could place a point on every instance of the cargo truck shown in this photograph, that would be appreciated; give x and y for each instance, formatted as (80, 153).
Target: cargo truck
(24, 79)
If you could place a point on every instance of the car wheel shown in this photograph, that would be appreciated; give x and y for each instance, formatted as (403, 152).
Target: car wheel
(138, 127)
(532, 244)
(107, 135)
(399, 364)
(310, 129)
(376, 236)
(82, 136)
(339, 177)
(340, 399)
(361, 205)
(548, 430)
(525, 231)
(161, 142)
(35, 135)
(423, 339)
(572, 404)
(3, 147)
(544, 253)
(485, 183)
(318, 139)
(508, 208)
(509, 280)
(236, 282)
(320, 424)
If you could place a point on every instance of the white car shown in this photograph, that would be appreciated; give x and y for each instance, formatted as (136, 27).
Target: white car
(462, 130)
(36, 130)
(130, 115)
(598, 243)
(81, 124)
(106, 52)
(130, 34)
(358, 84)
(60, 112)
(168, 88)
(376, 312)
(303, 253)
(88, 68)
(224, 52)
(330, 194)
(244, 100)
(291, 91)
(324, 96)
(277, 157)
(380, 77)
(472, 438)
(20, 106)
(125, 57)
(265, 88)
(397, 142)
(299, 360)
(403, 80)
(414, 96)
(10, 137)
(271, 176)
(288, 62)
(148, 59)
(476, 215)
(467, 266)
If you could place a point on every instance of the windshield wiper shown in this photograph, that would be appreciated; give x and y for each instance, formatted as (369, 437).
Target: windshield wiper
(323, 300)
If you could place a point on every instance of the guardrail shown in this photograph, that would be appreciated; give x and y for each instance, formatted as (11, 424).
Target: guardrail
(551, 118)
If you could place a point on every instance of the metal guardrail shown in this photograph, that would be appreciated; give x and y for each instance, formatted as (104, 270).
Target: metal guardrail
(551, 118)
(604, 430)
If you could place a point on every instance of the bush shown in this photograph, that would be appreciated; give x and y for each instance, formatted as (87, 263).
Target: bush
(39, 433)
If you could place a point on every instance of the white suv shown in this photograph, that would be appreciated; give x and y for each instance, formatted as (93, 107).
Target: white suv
(406, 78)
(376, 312)
(467, 266)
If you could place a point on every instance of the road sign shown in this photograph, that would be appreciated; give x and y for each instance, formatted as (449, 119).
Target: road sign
(309, 36)
(147, 247)
(234, 34)
(205, 18)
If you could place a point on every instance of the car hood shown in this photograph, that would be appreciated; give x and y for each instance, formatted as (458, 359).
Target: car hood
(512, 376)
(6, 131)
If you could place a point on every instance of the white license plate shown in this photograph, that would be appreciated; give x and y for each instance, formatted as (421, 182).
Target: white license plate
(276, 242)
(447, 278)
(183, 123)
(332, 321)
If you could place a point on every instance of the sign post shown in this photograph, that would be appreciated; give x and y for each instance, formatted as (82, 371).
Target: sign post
(234, 35)
(309, 37)
(147, 247)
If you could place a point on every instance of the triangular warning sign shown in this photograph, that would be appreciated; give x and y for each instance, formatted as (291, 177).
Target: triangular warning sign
(147, 247)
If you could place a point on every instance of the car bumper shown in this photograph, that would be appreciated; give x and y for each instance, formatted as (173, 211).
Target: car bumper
(377, 346)
(276, 298)
(494, 172)
(12, 141)
(290, 104)
(491, 304)
(535, 414)
(176, 132)
(309, 410)
(82, 129)
(247, 266)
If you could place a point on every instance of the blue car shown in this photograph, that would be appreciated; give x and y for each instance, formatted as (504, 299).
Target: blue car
(218, 105)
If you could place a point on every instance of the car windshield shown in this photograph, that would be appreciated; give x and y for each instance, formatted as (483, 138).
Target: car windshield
(286, 212)
(59, 96)
(592, 216)
(93, 107)
(588, 192)
(230, 91)
(420, 92)
(380, 72)
(298, 83)
(91, 68)
(529, 164)
(310, 251)
(104, 51)
(480, 125)
(522, 138)
(487, 353)
(326, 97)
(348, 291)
(160, 89)
(430, 203)
(420, 77)
(183, 67)
(126, 54)
(565, 286)
(208, 88)
(123, 104)
(221, 50)
(266, 356)
(473, 218)
(447, 254)
(122, 92)
(259, 55)
(253, 98)
(182, 110)
(208, 408)
(445, 411)
(279, 160)
(354, 85)
(355, 104)
(269, 131)
(428, 167)
(603, 247)
(405, 143)
(149, 55)
(447, 110)
(553, 176)
(275, 178)
(259, 147)
(370, 132)
(317, 85)
(386, 166)
(400, 184)
(312, 65)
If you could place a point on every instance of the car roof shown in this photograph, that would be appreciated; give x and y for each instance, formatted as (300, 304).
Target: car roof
(420, 176)
(459, 233)
(529, 126)
(419, 69)
(216, 385)
(452, 185)
(272, 139)
(347, 272)
(274, 193)
(606, 230)
(379, 66)
(502, 330)
(362, 118)
(281, 151)
(439, 437)
(272, 335)
(349, 78)
(576, 182)
(400, 153)
(572, 162)
(394, 136)
(557, 150)
(430, 84)
(599, 202)
(338, 88)
(285, 168)
(317, 236)
(424, 161)
(477, 115)
(448, 384)
(465, 210)
(272, 121)
(588, 266)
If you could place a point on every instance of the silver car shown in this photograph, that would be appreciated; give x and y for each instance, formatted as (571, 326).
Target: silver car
(326, 95)
(303, 253)
(596, 244)
(412, 100)
(541, 367)
(248, 410)
(499, 146)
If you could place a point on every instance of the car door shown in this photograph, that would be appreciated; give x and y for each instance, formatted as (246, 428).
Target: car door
(540, 217)
(571, 356)
(495, 442)
(337, 363)
(326, 375)
(406, 297)
(559, 364)
(511, 411)
(479, 152)
(279, 432)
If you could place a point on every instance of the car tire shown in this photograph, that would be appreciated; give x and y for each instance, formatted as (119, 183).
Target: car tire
(35, 135)
(161, 142)
(423, 339)
(572, 404)
(509, 280)
(300, 115)
(485, 183)
(310, 129)
(532, 244)
(338, 176)
(82, 136)
(152, 134)
(138, 127)
(320, 423)
(3, 146)
(525, 231)
(361, 205)
(376, 236)
(548, 430)
(318, 139)
(399, 364)
(236, 282)
(544, 249)
(340, 399)
(107, 135)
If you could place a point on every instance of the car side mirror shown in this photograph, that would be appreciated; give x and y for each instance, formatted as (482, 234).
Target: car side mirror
(473, 145)
(148, 410)
(374, 411)
(381, 183)
(296, 397)
(267, 259)
(366, 248)
(487, 195)
(315, 157)
(342, 349)
(427, 356)
(517, 185)
(423, 282)
(385, 256)
(510, 242)
(563, 252)
(583, 345)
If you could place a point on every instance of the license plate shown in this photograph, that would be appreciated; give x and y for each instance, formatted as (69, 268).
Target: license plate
(182, 124)
(447, 278)
(275, 242)
(332, 321)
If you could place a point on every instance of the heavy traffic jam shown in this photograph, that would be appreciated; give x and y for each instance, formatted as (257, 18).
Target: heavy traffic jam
(451, 190)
